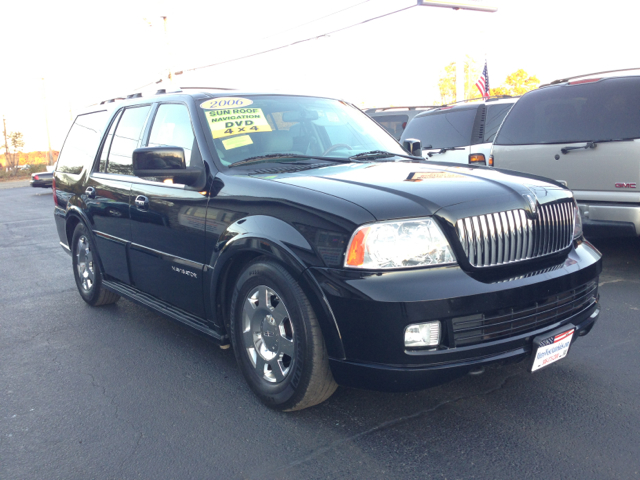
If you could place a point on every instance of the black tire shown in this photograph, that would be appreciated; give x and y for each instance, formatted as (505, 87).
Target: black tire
(271, 315)
(86, 269)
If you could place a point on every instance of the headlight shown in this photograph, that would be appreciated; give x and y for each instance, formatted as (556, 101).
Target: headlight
(398, 244)
(577, 221)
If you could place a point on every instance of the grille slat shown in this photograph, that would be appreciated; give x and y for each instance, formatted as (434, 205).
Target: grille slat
(510, 236)
(482, 328)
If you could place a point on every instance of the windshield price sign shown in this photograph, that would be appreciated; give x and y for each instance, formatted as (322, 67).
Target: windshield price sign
(234, 121)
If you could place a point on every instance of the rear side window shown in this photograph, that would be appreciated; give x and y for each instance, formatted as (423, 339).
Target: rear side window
(495, 115)
(394, 124)
(445, 128)
(82, 142)
(126, 139)
(604, 110)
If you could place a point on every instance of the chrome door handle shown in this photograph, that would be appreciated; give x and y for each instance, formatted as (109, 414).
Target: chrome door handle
(142, 202)
(90, 192)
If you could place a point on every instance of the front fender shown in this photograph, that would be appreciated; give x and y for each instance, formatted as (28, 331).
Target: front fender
(261, 235)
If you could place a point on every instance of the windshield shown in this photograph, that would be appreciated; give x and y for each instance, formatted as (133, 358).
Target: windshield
(603, 110)
(266, 125)
(444, 128)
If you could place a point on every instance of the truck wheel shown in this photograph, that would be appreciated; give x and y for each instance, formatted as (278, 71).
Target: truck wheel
(86, 270)
(277, 340)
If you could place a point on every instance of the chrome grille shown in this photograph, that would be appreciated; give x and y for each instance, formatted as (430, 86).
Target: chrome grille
(506, 237)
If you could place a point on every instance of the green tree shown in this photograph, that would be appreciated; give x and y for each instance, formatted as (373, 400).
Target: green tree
(16, 140)
(517, 83)
(447, 82)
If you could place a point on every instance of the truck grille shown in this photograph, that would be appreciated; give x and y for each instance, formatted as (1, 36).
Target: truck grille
(480, 328)
(506, 237)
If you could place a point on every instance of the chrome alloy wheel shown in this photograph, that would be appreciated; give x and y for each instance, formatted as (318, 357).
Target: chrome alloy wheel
(84, 263)
(268, 335)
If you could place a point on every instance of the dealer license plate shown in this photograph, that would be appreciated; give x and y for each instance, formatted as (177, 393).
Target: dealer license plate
(552, 349)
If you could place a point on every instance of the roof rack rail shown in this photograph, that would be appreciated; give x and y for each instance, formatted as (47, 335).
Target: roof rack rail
(485, 99)
(207, 88)
(111, 100)
(562, 80)
(162, 91)
(135, 95)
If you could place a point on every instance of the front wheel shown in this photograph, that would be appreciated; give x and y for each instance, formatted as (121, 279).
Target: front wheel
(277, 340)
(86, 270)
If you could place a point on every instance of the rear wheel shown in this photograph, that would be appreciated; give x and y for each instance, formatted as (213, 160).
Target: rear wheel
(86, 270)
(277, 340)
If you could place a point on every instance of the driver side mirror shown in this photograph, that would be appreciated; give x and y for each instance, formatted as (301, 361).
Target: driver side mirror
(164, 162)
(413, 147)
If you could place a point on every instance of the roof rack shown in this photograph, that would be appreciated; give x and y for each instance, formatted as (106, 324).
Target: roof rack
(562, 80)
(111, 100)
(485, 99)
(384, 109)
(135, 95)
(207, 88)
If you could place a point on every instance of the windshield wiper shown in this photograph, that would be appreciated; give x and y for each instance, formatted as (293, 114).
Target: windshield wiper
(595, 143)
(382, 154)
(284, 156)
(443, 150)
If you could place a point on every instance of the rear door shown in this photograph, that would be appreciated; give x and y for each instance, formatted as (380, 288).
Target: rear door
(108, 190)
(168, 221)
(546, 131)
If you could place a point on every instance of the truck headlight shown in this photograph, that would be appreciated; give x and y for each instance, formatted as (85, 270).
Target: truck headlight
(577, 221)
(398, 244)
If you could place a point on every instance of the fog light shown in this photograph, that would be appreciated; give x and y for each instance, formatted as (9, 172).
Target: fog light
(422, 335)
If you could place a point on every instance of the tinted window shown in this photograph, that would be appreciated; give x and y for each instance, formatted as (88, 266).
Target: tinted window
(445, 128)
(82, 142)
(394, 124)
(495, 115)
(604, 110)
(126, 140)
(107, 143)
(172, 128)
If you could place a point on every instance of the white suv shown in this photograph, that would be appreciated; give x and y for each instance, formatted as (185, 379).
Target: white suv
(459, 133)
(585, 133)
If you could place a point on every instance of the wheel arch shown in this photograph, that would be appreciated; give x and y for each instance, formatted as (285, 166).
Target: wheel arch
(239, 252)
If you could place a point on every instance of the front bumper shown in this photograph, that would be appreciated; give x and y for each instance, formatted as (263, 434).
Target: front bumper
(607, 220)
(372, 311)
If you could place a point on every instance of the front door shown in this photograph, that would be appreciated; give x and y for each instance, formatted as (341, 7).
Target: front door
(168, 222)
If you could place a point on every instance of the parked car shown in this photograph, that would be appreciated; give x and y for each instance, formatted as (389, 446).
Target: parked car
(584, 132)
(462, 132)
(41, 179)
(298, 231)
(395, 119)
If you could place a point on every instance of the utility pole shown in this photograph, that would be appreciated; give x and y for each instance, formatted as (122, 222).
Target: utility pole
(46, 119)
(6, 144)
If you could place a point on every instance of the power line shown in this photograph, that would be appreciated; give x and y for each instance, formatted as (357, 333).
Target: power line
(316, 20)
(299, 41)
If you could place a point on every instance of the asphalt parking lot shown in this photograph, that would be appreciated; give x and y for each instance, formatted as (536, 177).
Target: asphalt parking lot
(120, 392)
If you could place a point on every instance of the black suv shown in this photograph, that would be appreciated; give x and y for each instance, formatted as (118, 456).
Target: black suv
(297, 230)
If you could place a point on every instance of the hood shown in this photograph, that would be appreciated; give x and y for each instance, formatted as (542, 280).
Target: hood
(407, 190)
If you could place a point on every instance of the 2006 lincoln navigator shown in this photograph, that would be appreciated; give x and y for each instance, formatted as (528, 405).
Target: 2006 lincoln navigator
(300, 232)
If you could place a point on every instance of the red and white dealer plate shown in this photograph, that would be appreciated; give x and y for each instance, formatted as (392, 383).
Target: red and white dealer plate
(552, 349)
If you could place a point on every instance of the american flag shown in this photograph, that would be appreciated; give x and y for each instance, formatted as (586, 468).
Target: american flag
(483, 82)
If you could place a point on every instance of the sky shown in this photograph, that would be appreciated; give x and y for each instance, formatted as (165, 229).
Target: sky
(88, 52)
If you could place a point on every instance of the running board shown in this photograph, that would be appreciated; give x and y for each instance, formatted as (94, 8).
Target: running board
(164, 308)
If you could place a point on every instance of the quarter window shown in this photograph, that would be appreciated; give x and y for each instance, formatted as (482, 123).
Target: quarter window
(82, 142)
(126, 139)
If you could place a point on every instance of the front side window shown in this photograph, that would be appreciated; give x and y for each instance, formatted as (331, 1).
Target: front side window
(603, 110)
(443, 128)
(172, 128)
(394, 124)
(126, 139)
(257, 125)
(81, 143)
